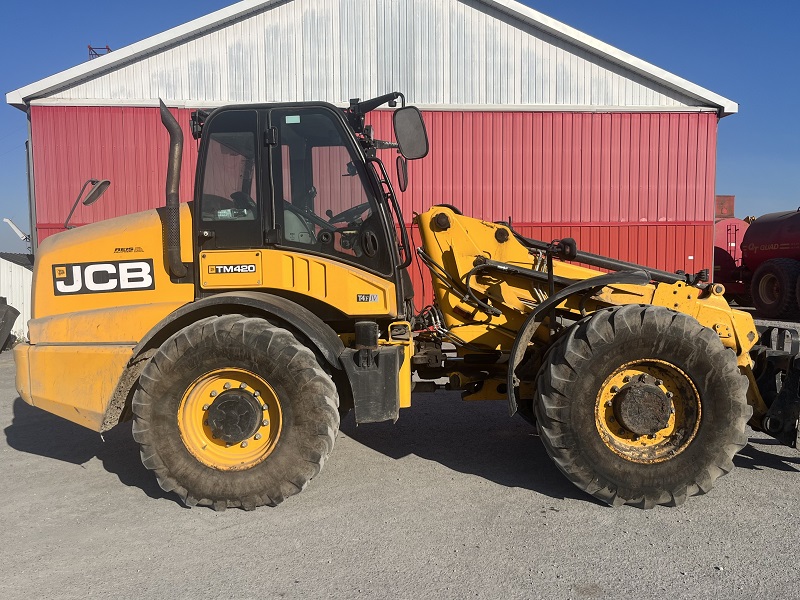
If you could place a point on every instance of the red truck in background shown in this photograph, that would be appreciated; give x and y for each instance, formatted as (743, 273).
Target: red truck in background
(767, 271)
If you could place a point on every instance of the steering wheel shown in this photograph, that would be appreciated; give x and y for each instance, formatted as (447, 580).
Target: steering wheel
(306, 216)
(242, 200)
(351, 236)
(346, 216)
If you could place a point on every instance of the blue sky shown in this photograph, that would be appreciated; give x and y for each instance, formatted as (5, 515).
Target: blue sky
(743, 50)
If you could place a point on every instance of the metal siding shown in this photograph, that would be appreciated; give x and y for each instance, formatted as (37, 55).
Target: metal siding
(15, 287)
(564, 167)
(613, 181)
(304, 49)
(128, 146)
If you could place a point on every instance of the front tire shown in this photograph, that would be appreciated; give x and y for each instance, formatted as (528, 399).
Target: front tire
(641, 405)
(234, 412)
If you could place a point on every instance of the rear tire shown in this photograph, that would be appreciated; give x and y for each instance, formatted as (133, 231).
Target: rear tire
(665, 357)
(286, 407)
(774, 288)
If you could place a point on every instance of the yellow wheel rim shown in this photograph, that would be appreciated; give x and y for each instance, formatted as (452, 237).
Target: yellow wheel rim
(262, 413)
(648, 411)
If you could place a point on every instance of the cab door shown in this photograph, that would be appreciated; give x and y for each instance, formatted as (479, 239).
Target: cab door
(324, 202)
(230, 201)
(327, 211)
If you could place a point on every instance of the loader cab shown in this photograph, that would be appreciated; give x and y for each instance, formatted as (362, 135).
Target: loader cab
(294, 178)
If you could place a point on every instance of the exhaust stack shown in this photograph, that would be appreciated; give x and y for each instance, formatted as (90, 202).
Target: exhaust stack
(176, 266)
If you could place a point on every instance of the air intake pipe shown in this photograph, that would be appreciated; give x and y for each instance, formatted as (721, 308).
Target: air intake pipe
(176, 266)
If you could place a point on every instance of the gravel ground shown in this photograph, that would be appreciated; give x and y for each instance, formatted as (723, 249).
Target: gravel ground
(454, 501)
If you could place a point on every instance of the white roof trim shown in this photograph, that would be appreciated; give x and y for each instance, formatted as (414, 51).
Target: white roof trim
(566, 108)
(24, 95)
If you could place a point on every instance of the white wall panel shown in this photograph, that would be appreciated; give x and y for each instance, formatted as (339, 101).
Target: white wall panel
(15, 286)
(439, 52)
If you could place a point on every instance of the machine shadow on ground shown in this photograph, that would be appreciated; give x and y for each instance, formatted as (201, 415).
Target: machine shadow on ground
(35, 431)
(476, 438)
(751, 457)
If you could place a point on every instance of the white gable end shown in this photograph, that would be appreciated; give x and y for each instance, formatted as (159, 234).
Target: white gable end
(438, 52)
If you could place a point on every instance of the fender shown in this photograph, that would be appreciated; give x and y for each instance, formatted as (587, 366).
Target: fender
(537, 315)
(281, 311)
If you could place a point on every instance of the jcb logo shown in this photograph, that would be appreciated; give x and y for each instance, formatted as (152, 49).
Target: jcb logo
(95, 278)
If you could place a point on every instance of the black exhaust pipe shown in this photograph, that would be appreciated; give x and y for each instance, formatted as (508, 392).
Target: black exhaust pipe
(176, 266)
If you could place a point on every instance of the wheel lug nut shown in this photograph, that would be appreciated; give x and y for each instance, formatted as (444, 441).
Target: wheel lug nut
(242, 386)
(265, 407)
(213, 393)
(227, 444)
(658, 382)
(256, 393)
(614, 389)
(652, 436)
(670, 394)
(636, 438)
(244, 444)
(206, 406)
(265, 422)
(609, 404)
(257, 436)
(642, 378)
(626, 379)
(227, 386)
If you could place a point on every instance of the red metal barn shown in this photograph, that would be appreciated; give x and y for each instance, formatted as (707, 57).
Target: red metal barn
(528, 118)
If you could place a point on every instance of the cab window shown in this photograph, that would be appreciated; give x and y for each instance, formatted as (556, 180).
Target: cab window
(229, 202)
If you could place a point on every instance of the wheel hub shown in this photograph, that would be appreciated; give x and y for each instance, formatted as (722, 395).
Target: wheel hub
(235, 415)
(230, 419)
(643, 409)
(647, 410)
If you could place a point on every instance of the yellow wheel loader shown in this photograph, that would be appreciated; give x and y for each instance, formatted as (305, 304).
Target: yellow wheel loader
(236, 329)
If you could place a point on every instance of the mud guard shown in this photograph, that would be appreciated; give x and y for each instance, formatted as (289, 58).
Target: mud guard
(374, 380)
(538, 314)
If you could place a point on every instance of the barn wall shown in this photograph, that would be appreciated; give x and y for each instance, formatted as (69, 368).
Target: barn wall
(127, 146)
(635, 186)
(565, 168)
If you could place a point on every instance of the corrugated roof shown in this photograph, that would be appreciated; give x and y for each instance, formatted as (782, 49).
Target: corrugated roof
(517, 12)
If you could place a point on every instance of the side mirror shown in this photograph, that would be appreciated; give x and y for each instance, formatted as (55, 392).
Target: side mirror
(409, 131)
(402, 173)
(98, 189)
